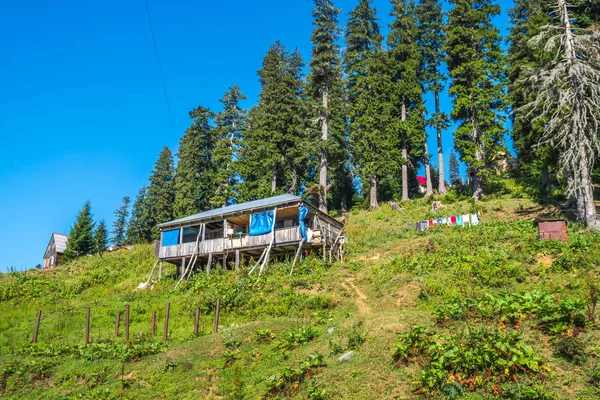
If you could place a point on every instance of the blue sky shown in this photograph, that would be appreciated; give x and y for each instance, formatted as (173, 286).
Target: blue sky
(82, 110)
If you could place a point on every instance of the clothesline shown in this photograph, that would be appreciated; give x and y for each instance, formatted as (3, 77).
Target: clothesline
(455, 220)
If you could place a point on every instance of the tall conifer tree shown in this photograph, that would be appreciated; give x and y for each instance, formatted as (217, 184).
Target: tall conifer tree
(405, 60)
(161, 191)
(120, 225)
(274, 149)
(100, 238)
(230, 124)
(527, 17)
(195, 176)
(325, 83)
(454, 169)
(81, 236)
(431, 39)
(475, 65)
(140, 224)
(367, 87)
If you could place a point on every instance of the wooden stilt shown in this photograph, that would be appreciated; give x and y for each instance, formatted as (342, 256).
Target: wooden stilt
(237, 260)
(196, 321)
(208, 264)
(217, 310)
(297, 255)
(153, 324)
(224, 260)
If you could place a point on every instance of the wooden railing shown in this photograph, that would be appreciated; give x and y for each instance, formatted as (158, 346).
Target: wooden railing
(284, 235)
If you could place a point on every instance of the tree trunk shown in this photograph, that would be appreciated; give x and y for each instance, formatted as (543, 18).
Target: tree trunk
(442, 183)
(429, 191)
(404, 160)
(545, 178)
(477, 181)
(293, 177)
(323, 165)
(274, 179)
(373, 191)
(586, 208)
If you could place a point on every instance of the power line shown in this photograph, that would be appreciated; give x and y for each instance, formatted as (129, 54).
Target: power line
(162, 78)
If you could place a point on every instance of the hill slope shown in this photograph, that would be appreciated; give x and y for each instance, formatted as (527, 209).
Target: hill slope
(481, 312)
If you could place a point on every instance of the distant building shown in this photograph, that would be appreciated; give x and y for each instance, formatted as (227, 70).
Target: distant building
(55, 250)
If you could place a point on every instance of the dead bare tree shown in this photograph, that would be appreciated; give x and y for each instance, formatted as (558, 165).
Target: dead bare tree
(566, 92)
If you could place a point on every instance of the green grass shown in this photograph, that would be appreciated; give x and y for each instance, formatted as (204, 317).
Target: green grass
(482, 293)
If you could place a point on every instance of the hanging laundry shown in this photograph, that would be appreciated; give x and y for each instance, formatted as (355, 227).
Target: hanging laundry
(453, 220)
(410, 225)
(444, 221)
(466, 219)
(459, 220)
(430, 222)
(474, 220)
(435, 221)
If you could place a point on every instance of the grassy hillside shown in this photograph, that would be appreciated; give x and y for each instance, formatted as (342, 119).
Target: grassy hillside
(482, 312)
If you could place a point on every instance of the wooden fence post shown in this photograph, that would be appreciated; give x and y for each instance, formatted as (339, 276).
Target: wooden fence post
(117, 320)
(127, 323)
(196, 321)
(166, 330)
(37, 326)
(153, 325)
(217, 309)
(87, 326)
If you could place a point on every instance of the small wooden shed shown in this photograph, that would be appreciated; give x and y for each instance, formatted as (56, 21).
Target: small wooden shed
(553, 229)
(55, 249)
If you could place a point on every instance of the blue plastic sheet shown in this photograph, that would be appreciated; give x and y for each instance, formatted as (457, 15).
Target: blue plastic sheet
(302, 213)
(170, 238)
(261, 223)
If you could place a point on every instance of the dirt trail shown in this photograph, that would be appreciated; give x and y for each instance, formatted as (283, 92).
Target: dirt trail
(360, 301)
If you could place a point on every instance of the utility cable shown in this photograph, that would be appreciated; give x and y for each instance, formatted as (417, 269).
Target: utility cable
(162, 78)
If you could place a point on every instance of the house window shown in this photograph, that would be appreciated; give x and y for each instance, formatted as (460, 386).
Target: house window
(190, 234)
(170, 238)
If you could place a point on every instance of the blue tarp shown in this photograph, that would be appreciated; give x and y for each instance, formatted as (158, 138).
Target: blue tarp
(302, 213)
(261, 223)
(170, 238)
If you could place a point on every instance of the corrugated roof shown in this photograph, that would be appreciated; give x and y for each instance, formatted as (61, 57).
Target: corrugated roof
(236, 208)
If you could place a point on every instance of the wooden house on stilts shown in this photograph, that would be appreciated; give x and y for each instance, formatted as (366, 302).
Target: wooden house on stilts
(252, 231)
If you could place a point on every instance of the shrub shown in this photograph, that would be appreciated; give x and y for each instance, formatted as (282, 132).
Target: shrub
(571, 348)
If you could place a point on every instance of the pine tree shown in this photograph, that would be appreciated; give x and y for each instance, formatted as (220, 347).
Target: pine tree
(325, 85)
(527, 17)
(230, 125)
(195, 176)
(405, 60)
(81, 235)
(100, 238)
(140, 224)
(431, 39)
(454, 169)
(161, 191)
(566, 90)
(367, 88)
(475, 65)
(275, 146)
(120, 224)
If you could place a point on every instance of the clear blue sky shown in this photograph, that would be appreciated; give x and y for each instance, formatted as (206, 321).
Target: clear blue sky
(82, 111)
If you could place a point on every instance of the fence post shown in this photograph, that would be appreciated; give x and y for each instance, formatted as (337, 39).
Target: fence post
(153, 324)
(37, 326)
(117, 320)
(166, 331)
(217, 309)
(196, 321)
(127, 323)
(87, 326)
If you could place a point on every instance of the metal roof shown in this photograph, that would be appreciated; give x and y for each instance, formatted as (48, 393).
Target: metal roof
(251, 206)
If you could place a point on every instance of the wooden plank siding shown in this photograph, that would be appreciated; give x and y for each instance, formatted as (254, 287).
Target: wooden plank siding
(219, 245)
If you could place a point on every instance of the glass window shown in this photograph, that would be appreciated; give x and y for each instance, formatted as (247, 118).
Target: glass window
(190, 234)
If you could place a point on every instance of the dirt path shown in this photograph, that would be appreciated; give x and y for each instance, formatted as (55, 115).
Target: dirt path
(360, 301)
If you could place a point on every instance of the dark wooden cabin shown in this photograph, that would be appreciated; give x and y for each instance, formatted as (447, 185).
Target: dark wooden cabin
(249, 231)
(55, 250)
